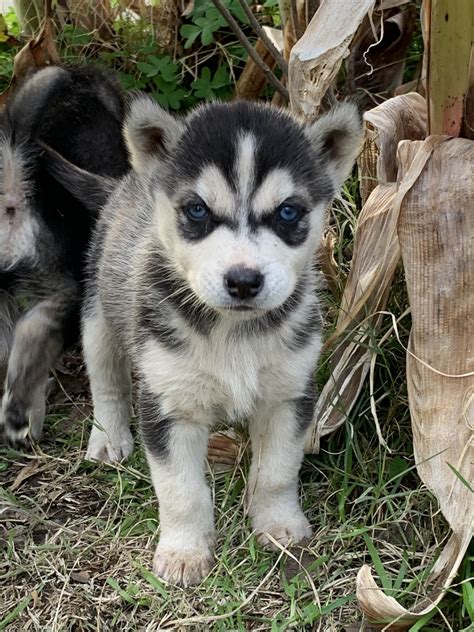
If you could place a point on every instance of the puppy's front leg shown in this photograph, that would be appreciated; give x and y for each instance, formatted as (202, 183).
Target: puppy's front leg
(176, 452)
(277, 436)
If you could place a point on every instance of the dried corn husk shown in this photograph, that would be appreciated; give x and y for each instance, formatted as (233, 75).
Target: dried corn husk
(375, 258)
(378, 53)
(403, 117)
(436, 228)
(316, 58)
(376, 254)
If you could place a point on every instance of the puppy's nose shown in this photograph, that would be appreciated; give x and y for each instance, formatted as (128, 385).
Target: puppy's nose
(243, 282)
(10, 210)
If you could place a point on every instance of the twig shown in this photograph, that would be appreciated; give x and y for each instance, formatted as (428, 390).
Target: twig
(255, 24)
(295, 20)
(271, 78)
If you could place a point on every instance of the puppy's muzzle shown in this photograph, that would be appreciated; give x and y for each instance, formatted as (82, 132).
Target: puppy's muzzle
(243, 283)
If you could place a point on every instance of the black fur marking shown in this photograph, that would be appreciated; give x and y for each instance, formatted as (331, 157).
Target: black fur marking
(154, 428)
(291, 234)
(304, 407)
(195, 231)
(276, 317)
(151, 319)
(166, 286)
(303, 334)
(281, 143)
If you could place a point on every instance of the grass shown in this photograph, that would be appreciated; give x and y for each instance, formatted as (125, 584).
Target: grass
(78, 538)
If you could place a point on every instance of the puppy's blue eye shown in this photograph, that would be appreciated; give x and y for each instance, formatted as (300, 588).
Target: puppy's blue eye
(288, 214)
(197, 212)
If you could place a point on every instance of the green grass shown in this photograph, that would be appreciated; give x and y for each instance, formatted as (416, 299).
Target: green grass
(78, 538)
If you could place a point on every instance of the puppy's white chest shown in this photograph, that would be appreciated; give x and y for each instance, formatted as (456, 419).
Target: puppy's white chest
(215, 377)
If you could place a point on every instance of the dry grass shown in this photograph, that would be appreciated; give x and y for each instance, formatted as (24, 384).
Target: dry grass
(77, 538)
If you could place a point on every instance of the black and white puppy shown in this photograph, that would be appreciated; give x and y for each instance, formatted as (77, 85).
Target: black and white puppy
(44, 230)
(202, 279)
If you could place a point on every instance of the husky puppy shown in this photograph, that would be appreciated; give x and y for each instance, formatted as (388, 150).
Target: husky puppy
(44, 230)
(201, 278)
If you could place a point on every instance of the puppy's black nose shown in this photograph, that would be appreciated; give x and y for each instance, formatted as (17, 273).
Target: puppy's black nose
(243, 282)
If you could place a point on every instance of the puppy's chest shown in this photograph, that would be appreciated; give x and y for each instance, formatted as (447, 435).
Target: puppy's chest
(219, 377)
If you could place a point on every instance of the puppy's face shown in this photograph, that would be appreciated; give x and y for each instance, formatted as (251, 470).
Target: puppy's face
(240, 205)
(17, 224)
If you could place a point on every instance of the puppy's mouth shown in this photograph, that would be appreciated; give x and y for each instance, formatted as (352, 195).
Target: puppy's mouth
(241, 308)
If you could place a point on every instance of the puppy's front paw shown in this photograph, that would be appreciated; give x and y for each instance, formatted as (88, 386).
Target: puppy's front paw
(109, 447)
(182, 567)
(286, 528)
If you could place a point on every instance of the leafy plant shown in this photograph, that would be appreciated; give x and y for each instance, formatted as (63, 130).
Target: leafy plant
(208, 87)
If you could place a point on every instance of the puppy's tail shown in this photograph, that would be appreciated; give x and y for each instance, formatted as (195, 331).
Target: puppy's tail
(89, 188)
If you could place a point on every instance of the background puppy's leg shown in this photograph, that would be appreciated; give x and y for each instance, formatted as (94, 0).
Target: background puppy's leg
(110, 382)
(277, 437)
(9, 315)
(37, 344)
(176, 453)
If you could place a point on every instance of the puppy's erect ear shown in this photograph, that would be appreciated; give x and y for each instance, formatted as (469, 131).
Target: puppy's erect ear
(150, 132)
(336, 137)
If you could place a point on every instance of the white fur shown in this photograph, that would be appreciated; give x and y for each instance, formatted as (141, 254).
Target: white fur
(277, 186)
(215, 191)
(18, 230)
(109, 374)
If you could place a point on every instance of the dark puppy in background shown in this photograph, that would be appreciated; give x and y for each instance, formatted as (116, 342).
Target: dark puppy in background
(202, 278)
(44, 230)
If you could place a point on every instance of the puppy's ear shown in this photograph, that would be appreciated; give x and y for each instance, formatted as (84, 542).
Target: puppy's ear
(336, 138)
(150, 132)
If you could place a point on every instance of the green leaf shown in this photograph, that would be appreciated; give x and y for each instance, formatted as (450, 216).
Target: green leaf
(468, 598)
(190, 32)
(124, 594)
(153, 580)
(149, 70)
(460, 477)
(379, 567)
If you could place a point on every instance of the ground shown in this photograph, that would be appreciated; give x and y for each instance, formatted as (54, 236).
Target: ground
(78, 538)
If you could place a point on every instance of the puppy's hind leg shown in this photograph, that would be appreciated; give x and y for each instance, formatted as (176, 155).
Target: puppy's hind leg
(9, 315)
(109, 374)
(176, 451)
(37, 344)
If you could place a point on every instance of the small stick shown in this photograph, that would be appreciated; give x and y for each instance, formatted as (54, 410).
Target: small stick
(295, 20)
(255, 24)
(274, 81)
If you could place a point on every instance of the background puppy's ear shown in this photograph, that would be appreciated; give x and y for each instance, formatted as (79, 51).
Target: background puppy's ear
(150, 132)
(337, 137)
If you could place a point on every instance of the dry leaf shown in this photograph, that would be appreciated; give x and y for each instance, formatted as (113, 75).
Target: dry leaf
(436, 226)
(40, 51)
(375, 258)
(378, 52)
(376, 255)
(316, 58)
(81, 577)
(26, 472)
(223, 449)
(400, 118)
